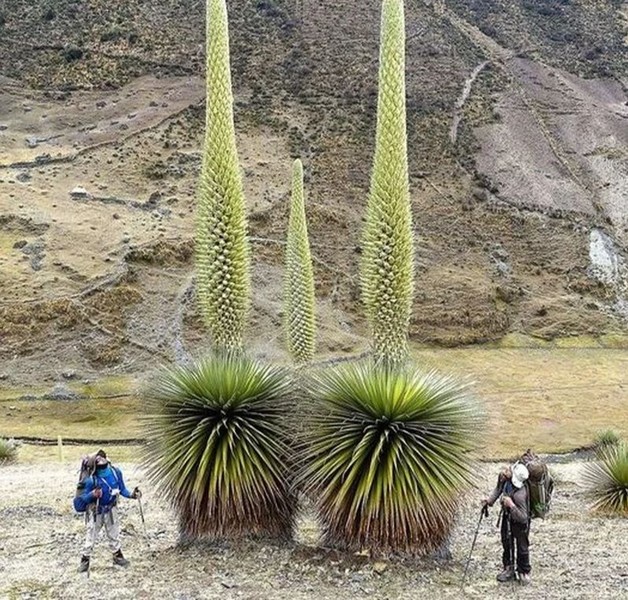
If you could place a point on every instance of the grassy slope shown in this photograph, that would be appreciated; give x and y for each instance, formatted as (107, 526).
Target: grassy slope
(550, 400)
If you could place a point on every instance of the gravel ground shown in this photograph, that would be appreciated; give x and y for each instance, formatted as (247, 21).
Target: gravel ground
(574, 554)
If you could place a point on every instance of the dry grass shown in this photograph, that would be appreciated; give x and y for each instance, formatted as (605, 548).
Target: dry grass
(112, 419)
(552, 400)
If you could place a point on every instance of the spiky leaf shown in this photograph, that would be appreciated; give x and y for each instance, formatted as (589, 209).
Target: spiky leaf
(386, 454)
(299, 319)
(607, 479)
(218, 447)
(222, 251)
(387, 270)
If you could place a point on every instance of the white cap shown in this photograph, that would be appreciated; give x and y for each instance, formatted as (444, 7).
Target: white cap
(520, 475)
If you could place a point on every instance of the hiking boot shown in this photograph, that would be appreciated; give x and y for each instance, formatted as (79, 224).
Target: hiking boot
(524, 578)
(84, 566)
(119, 560)
(508, 574)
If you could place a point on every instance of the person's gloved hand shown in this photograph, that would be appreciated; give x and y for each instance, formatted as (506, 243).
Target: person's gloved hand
(507, 502)
(97, 493)
(137, 494)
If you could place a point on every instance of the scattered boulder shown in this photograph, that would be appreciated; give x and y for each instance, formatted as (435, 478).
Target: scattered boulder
(79, 192)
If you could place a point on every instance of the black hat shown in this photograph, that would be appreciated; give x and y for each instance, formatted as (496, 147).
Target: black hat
(102, 453)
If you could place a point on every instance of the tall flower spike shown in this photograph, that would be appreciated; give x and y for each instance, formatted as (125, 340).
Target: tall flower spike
(299, 320)
(387, 269)
(222, 250)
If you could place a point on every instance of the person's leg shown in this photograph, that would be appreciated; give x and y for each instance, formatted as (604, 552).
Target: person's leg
(112, 524)
(112, 528)
(508, 573)
(521, 533)
(92, 528)
(93, 523)
(506, 560)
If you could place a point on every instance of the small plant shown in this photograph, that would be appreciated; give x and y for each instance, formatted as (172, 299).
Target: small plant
(607, 480)
(299, 320)
(8, 451)
(222, 248)
(219, 449)
(386, 456)
(605, 439)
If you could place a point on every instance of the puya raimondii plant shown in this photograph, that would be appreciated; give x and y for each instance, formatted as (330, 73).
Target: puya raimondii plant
(222, 250)
(387, 268)
(386, 452)
(218, 447)
(299, 301)
(386, 449)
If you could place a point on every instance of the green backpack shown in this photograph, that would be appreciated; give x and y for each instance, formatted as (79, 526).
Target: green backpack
(540, 485)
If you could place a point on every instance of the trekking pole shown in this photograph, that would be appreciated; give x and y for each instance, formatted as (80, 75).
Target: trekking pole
(89, 564)
(139, 503)
(483, 513)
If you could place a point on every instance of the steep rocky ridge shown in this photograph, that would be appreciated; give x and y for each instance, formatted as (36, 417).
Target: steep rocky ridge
(521, 220)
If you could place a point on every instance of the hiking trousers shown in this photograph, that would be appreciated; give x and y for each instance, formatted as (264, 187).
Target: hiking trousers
(520, 534)
(111, 524)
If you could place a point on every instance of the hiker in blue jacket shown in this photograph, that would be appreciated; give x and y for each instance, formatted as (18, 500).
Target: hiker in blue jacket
(97, 496)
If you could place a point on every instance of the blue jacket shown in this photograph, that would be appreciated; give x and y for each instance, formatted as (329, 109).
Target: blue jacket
(109, 479)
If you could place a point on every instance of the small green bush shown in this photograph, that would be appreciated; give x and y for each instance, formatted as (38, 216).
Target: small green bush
(8, 451)
(607, 480)
(605, 439)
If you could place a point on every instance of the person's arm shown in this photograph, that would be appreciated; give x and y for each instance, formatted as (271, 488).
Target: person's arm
(519, 506)
(86, 497)
(496, 493)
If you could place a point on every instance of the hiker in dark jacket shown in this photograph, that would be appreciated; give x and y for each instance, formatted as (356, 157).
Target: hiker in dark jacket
(515, 518)
(98, 498)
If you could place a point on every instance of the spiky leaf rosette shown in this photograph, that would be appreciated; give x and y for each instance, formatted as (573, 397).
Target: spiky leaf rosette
(387, 269)
(607, 480)
(386, 455)
(299, 320)
(218, 447)
(222, 251)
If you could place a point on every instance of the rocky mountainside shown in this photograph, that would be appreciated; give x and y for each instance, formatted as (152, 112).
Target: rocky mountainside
(518, 141)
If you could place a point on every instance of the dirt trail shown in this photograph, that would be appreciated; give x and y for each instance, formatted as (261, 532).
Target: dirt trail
(40, 545)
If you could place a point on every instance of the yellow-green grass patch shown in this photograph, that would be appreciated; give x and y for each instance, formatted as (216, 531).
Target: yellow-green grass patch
(552, 400)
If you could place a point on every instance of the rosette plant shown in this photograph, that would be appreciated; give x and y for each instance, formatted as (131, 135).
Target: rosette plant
(607, 479)
(385, 455)
(218, 447)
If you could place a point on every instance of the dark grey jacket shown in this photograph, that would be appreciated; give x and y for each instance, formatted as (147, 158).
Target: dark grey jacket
(520, 512)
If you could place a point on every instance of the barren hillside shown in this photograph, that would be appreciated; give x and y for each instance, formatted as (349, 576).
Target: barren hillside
(518, 129)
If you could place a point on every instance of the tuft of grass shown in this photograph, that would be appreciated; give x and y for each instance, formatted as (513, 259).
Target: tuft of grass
(607, 480)
(8, 451)
(606, 439)
(219, 449)
(386, 454)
